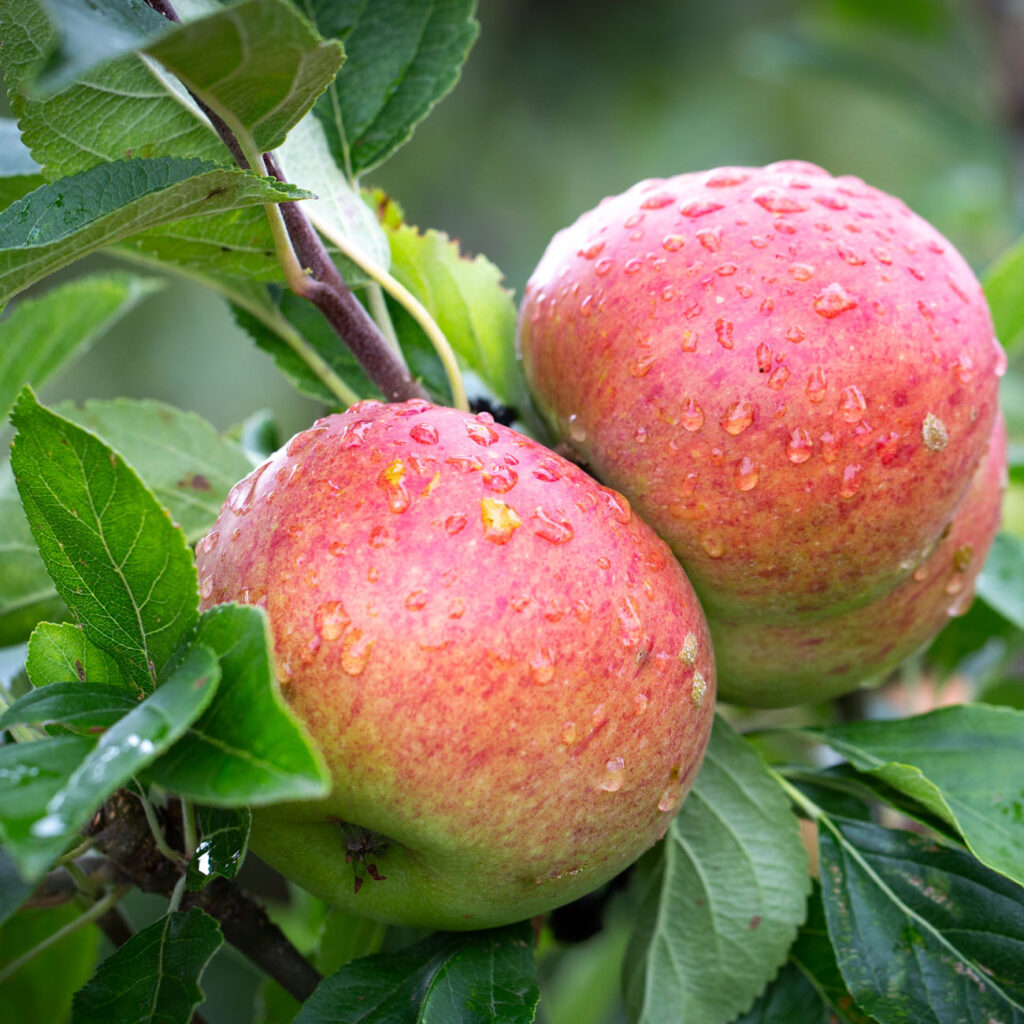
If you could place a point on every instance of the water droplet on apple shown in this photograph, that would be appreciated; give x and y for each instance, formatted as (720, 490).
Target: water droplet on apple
(592, 250)
(737, 418)
(240, 497)
(500, 478)
(692, 416)
(764, 357)
(423, 433)
(746, 474)
(778, 377)
(633, 265)
(726, 269)
(602, 266)
(689, 341)
(500, 520)
(801, 271)
(851, 481)
(378, 536)
(629, 617)
(723, 332)
(330, 619)
(209, 542)
(640, 704)
(667, 801)
(800, 447)
(569, 733)
(833, 300)
(577, 432)
(964, 369)
(356, 649)
(673, 243)
(206, 587)
(416, 600)
(852, 404)
(614, 775)
(552, 527)
(616, 504)
(699, 208)
(542, 667)
(713, 545)
(641, 365)
(774, 200)
(482, 433)
(817, 384)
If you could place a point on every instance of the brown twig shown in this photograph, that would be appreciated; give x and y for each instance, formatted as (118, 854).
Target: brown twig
(324, 286)
(122, 833)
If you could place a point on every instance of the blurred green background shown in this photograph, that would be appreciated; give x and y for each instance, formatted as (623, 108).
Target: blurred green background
(565, 101)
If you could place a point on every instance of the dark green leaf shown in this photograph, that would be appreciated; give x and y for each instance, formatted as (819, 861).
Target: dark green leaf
(42, 335)
(31, 774)
(963, 764)
(1001, 583)
(41, 991)
(154, 977)
(922, 933)
(299, 320)
(114, 556)
(58, 653)
(722, 896)
(128, 746)
(1006, 296)
(59, 223)
(90, 707)
(13, 890)
(247, 748)
(471, 978)
(789, 999)
(402, 56)
(258, 63)
(182, 459)
(223, 841)
(90, 33)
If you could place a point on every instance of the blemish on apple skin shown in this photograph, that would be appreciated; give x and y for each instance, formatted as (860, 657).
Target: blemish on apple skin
(690, 650)
(934, 433)
(699, 689)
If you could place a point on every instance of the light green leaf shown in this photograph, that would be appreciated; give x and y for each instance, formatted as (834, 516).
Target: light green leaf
(962, 763)
(114, 556)
(1005, 293)
(59, 223)
(88, 33)
(62, 652)
(123, 750)
(339, 211)
(1001, 583)
(154, 977)
(258, 63)
(467, 299)
(248, 748)
(721, 898)
(187, 465)
(402, 57)
(42, 335)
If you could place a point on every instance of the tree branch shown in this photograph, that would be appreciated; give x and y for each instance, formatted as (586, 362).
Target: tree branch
(122, 832)
(324, 287)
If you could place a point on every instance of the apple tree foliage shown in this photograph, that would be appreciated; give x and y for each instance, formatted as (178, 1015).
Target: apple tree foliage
(913, 909)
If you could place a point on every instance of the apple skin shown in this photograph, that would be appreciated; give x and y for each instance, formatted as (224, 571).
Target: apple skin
(791, 376)
(507, 672)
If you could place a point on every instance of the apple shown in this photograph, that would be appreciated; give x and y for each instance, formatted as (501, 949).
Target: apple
(793, 378)
(507, 672)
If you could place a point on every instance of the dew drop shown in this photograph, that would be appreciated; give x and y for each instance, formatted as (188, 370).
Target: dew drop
(710, 238)
(554, 528)
(795, 335)
(614, 775)
(500, 478)
(456, 609)
(737, 418)
(723, 332)
(692, 312)
(416, 600)
(667, 800)
(602, 266)
(714, 546)
(829, 446)
(641, 365)
(423, 433)
(209, 542)
(302, 441)
(744, 291)
(852, 404)
(851, 480)
(725, 177)
(964, 369)
(882, 255)
(801, 271)
(774, 200)
(849, 255)
(569, 733)
(764, 358)
(673, 243)
(692, 415)
(833, 300)
(330, 620)
(817, 384)
(633, 266)
(726, 269)
(887, 447)
(206, 587)
(632, 626)
(656, 202)
(337, 548)
(576, 431)
(699, 207)
(354, 434)
(800, 447)
(482, 433)
(592, 250)
(390, 480)
(356, 649)
(455, 524)
(778, 377)
(689, 341)
(378, 536)
(746, 474)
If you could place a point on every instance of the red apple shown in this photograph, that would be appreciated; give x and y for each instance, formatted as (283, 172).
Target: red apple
(508, 673)
(793, 378)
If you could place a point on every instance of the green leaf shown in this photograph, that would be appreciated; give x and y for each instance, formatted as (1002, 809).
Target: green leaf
(402, 56)
(41, 991)
(962, 763)
(13, 890)
(248, 748)
(469, 978)
(258, 63)
(1005, 296)
(114, 556)
(339, 210)
(297, 318)
(922, 933)
(1001, 582)
(90, 707)
(31, 774)
(41, 335)
(128, 746)
(466, 298)
(154, 977)
(223, 841)
(19, 173)
(57, 653)
(722, 896)
(26, 592)
(182, 459)
(788, 999)
(812, 954)
(59, 223)
(89, 34)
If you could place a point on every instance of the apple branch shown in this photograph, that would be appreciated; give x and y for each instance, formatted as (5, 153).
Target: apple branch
(317, 278)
